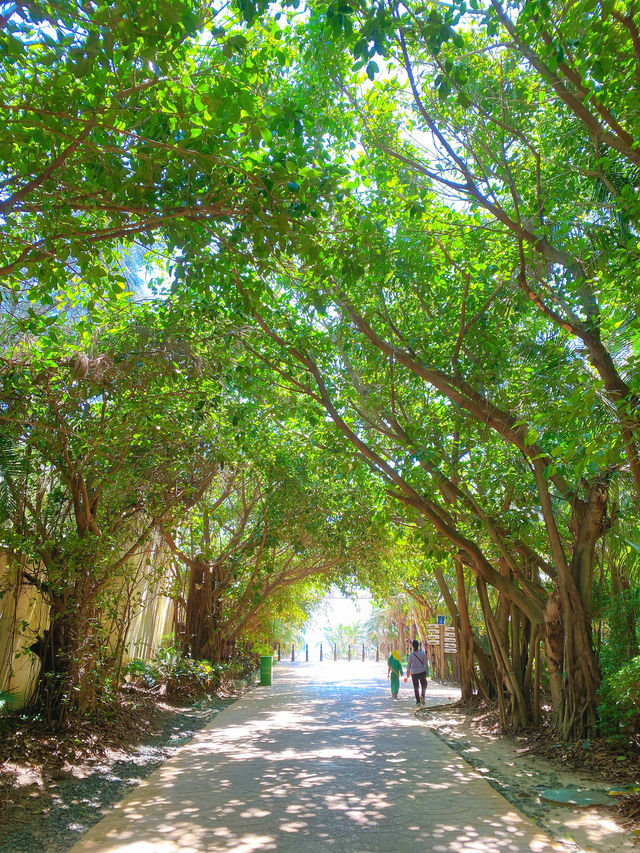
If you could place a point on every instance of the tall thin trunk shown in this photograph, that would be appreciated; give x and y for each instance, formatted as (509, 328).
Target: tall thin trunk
(465, 636)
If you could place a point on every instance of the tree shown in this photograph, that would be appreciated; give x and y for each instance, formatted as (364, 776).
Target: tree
(272, 523)
(356, 290)
(436, 252)
(173, 128)
(115, 438)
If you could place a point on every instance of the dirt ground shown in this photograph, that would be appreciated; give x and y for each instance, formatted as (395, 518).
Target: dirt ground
(520, 766)
(54, 787)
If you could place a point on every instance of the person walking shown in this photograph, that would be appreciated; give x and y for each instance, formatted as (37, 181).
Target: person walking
(417, 669)
(394, 671)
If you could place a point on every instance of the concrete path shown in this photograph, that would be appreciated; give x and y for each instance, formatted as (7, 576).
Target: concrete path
(323, 760)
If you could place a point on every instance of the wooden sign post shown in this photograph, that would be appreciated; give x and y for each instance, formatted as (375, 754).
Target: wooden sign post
(443, 637)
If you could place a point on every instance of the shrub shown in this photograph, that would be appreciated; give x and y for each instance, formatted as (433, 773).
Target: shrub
(171, 671)
(242, 667)
(619, 708)
(138, 670)
(622, 634)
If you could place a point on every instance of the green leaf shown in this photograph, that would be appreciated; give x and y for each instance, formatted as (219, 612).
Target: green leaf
(372, 69)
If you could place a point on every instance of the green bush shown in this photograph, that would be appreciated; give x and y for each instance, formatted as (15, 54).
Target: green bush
(242, 667)
(619, 707)
(173, 671)
(622, 635)
(141, 671)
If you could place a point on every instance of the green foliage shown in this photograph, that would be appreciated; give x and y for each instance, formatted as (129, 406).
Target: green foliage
(11, 469)
(622, 637)
(439, 278)
(619, 709)
(262, 649)
(126, 127)
(6, 701)
(341, 636)
(174, 672)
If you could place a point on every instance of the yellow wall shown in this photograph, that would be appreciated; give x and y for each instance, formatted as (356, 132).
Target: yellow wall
(21, 620)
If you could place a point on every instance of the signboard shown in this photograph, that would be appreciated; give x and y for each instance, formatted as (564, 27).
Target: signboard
(439, 633)
(440, 620)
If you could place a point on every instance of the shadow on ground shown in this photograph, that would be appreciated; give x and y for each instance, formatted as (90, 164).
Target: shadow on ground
(325, 763)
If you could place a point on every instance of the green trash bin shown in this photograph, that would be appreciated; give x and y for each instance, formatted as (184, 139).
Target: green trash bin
(266, 662)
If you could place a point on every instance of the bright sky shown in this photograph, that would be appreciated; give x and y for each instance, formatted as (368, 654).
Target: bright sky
(333, 611)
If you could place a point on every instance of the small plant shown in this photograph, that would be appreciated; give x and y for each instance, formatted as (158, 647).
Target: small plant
(5, 701)
(138, 670)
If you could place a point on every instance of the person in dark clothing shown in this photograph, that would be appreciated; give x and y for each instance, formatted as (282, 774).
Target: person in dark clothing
(417, 669)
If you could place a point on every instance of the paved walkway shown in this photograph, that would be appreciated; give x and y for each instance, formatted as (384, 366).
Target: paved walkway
(321, 761)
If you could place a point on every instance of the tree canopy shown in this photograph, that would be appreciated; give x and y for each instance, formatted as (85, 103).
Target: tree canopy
(283, 284)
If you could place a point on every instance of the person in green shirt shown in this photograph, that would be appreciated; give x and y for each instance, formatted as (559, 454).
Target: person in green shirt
(394, 671)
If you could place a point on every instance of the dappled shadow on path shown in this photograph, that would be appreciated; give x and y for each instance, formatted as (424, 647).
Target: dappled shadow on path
(324, 764)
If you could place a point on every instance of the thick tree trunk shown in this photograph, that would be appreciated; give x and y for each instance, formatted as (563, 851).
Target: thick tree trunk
(517, 714)
(588, 527)
(217, 647)
(67, 684)
(577, 714)
(554, 647)
(402, 636)
(196, 640)
(201, 637)
(573, 667)
(573, 671)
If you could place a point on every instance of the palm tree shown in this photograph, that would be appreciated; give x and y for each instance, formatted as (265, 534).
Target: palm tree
(337, 636)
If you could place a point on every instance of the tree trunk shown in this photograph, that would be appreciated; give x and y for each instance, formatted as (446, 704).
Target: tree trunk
(517, 715)
(554, 646)
(486, 678)
(70, 655)
(573, 668)
(402, 636)
(197, 640)
(577, 714)
(464, 636)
